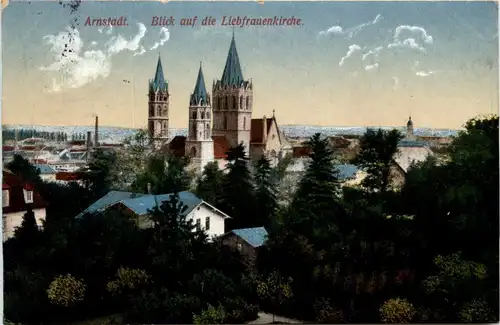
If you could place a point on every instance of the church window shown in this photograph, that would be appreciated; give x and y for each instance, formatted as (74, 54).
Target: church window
(241, 102)
(226, 106)
(235, 102)
(151, 111)
(202, 115)
(244, 123)
(151, 128)
(219, 103)
(225, 123)
(247, 104)
(193, 115)
(208, 115)
(193, 152)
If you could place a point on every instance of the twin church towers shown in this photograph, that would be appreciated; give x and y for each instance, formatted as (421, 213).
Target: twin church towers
(227, 112)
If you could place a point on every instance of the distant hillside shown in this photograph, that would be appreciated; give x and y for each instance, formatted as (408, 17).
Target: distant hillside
(116, 134)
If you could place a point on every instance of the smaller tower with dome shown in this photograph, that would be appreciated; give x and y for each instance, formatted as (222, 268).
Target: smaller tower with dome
(409, 130)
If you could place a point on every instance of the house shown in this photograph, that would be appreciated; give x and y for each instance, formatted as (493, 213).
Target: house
(47, 173)
(205, 216)
(246, 241)
(17, 197)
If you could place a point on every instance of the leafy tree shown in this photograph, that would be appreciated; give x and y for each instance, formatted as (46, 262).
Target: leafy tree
(210, 184)
(397, 311)
(99, 177)
(275, 289)
(377, 152)
(28, 231)
(66, 291)
(238, 190)
(265, 194)
(23, 168)
(211, 315)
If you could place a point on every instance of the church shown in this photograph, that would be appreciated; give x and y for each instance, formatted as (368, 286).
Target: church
(217, 121)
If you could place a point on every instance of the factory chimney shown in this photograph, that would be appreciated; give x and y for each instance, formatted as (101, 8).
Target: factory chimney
(96, 132)
(89, 144)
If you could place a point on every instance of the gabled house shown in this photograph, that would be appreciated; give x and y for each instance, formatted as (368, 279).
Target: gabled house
(205, 216)
(246, 241)
(17, 197)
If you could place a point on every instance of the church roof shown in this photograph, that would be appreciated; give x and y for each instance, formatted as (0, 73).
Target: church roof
(159, 82)
(199, 95)
(232, 75)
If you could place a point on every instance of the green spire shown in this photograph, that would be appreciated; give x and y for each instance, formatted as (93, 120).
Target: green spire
(199, 96)
(232, 75)
(159, 82)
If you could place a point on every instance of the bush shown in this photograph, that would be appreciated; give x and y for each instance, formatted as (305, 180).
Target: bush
(477, 311)
(325, 313)
(211, 315)
(239, 311)
(66, 291)
(397, 311)
(127, 279)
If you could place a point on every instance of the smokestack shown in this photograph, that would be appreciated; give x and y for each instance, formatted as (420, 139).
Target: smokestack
(89, 136)
(264, 129)
(96, 132)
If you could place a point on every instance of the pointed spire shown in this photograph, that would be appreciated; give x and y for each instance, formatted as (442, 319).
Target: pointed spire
(232, 75)
(159, 81)
(199, 96)
(274, 111)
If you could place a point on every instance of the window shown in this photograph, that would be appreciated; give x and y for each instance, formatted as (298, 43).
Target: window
(198, 224)
(235, 102)
(247, 105)
(207, 223)
(225, 123)
(239, 247)
(202, 115)
(226, 106)
(193, 115)
(28, 196)
(219, 103)
(208, 115)
(5, 198)
(244, 123)
(241, 102)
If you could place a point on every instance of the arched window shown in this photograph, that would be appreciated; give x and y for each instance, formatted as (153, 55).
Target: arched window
(226, 106)
(202, 115)
(241, 102)
(151, 128)
(205, 133)
(244, 123)
(193, 115)
(225, 123)
(193, 152)
(207, 127)
(151, 111)
(247, 104)
(235, 102)
(219, 103)
(158, 128)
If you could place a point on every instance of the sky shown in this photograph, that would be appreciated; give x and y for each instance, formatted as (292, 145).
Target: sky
(347, 64)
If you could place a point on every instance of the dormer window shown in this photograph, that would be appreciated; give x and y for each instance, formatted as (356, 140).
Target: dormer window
(5, 198)
(28, 196)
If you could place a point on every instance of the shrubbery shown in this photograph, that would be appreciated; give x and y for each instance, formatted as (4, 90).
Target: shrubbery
(66, 291)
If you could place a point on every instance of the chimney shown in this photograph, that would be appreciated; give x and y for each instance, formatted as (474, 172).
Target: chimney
(149, 188)
(96, 132)
(264, 129)
(89, 135)
(16, 135)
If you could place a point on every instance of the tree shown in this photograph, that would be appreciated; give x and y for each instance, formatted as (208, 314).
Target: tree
(28, 231)
(316, 201)
(24, 169)
(209, 186)
(211, 315)
(275, 289)
(265, 194)
(238, 190)
(397, 311)
(99, 174)
(66, 291)
(377, 151)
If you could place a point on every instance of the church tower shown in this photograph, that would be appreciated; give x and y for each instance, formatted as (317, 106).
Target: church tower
(158, 108)
(409, 130)
(232, 99)
(199, 144)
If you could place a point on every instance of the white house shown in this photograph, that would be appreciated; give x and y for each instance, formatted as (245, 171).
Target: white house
(17, 198)
(204, 215)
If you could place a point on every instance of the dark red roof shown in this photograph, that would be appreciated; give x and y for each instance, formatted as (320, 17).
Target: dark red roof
(15, 185)
(221, 147)
(256, 129)
(69, 176)
(303, 151)
(8, 148)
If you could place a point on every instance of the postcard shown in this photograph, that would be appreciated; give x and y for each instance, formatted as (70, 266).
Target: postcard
(250, 162)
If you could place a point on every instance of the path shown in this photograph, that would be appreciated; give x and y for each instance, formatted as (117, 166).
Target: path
(265, 318)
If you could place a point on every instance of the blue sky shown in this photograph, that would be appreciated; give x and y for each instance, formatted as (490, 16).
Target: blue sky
(441, 67)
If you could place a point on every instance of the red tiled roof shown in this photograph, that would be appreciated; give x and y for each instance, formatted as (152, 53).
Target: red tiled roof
(8, 148)
(221, 147)
(69, 176)
(256, 129)
(15, 186)
(178, 146)
(302, 151)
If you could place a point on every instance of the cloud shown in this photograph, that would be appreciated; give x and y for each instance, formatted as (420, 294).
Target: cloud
(396, 83)
(73, 66)
(375, 52)
(410, 40)
(371, 66)
(118, 43)
(424, 73)
(349, 32)
(354, 48)
(164, 37)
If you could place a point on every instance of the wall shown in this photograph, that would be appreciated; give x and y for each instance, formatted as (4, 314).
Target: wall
(48, 177)
(13, 220)
(217, 224)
